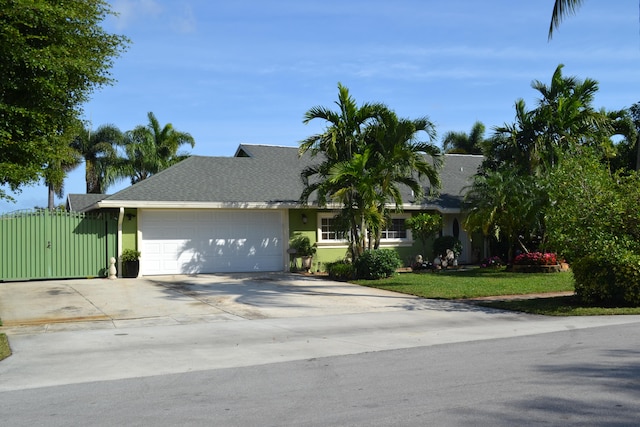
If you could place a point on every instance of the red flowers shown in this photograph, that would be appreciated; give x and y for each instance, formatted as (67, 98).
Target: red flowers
(536, 258)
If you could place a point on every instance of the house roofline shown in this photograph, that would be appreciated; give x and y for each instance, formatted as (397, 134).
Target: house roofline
(192, 205)
(105, 204)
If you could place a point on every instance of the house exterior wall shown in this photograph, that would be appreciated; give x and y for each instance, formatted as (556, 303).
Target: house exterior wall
(331, 252)
(130, 229)
(449, 228)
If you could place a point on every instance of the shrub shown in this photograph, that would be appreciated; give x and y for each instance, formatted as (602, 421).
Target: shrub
(130, 255)
(536, 258)
(612, 279)
(377, 264)
(340, 270)
(442, 243)
(491, 262)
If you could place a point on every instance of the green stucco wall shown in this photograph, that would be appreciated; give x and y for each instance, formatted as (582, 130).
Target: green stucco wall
(130, 229)
(326, 255)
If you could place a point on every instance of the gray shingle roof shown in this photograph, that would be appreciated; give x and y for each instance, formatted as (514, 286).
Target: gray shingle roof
(271, 175)
(82, 202)
(456, 174)
(264, 174)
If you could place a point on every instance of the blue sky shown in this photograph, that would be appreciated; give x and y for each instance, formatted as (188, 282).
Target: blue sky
(245, 71)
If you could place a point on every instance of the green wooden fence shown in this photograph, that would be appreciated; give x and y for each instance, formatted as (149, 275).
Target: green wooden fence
(53, 245)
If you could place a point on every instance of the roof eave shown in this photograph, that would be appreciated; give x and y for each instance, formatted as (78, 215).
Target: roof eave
(140, 204)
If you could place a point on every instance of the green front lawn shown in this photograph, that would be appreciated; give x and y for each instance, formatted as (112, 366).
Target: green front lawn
(476, 283)
(473, 283)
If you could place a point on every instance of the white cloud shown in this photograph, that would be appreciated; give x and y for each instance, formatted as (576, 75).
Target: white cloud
(185, 22)
(130, 11)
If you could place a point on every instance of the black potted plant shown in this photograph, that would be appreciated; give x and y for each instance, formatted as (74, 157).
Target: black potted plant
(130, 262)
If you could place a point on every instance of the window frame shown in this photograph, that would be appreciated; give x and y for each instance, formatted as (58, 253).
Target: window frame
(401, 241)
(328, 242)
(405, 241)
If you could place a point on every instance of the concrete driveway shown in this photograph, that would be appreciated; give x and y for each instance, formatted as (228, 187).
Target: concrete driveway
(48, 306)
(128, 328)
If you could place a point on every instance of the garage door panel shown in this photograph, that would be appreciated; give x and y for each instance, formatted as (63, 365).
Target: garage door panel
(211, 241)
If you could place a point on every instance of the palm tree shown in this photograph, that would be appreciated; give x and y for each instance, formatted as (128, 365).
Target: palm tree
(400, 159)
(367, 154)
(60, 164)
(341, 147)
(463, 143)
(561, 9)
(99, 152)
(506, 205)
(563, 120)
(344, 133)
(150, 149)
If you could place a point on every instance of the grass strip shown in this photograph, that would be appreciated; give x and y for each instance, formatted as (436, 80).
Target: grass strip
(558, 306)
(5, 350)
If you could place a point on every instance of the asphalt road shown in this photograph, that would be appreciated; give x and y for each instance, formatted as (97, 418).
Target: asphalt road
(575, 377)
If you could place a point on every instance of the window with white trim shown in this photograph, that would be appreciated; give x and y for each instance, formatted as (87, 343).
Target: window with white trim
(396, 229)
(395, 232)
(328, 231)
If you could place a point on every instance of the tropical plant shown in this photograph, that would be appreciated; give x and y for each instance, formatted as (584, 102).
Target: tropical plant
(506, 205)
(150, 149)
(99, 150)
(365, 154)
(60, 164)
(463, 143)
(340, 151)
(563, 120)
(400, 160)
(424, 226)
(302, 245)
(561, 9)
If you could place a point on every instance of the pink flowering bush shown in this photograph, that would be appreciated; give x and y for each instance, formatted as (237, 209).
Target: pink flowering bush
(536, 258)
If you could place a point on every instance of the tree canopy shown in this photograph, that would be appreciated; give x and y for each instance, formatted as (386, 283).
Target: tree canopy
(463, 143)
(366, 153)
(508, 198)
(99, 150)
(54, 55)
(150, 149)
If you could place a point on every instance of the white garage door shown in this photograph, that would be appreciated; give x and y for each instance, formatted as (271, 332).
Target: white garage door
(210, 241)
